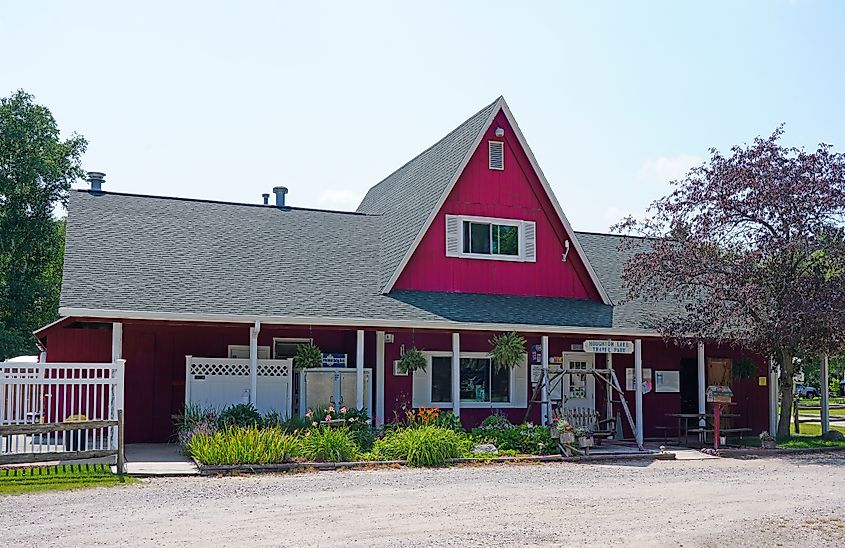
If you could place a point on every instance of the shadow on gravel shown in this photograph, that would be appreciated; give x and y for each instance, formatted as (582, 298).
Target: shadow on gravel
(632, 463)
(823, 459)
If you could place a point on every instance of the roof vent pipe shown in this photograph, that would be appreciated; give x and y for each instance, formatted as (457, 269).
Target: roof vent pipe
(266, 198)
(280, 192)
(96, 178)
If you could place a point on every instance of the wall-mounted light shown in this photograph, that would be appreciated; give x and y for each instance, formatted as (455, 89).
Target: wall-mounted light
(500, 132)
(565, 250)
(388, 337)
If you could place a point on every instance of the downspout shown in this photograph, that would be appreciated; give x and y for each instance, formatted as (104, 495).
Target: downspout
(253, 363)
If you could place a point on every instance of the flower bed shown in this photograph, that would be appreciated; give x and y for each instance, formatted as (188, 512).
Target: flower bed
(427, 437)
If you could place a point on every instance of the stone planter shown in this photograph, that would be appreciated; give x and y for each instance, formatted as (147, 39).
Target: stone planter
(769, 444)
(567, 437)
(585, 441)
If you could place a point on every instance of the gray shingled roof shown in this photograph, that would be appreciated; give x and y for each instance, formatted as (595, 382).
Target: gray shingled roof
(608, 258)
(406, 197)
(151, 255)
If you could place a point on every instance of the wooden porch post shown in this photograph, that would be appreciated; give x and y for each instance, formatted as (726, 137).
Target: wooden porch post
(638, 381)
(456, 374)
(379, 414)
(608, 396)
(253, 363)
(702, 384)
(359, 371)
(545, 407)
(825, 383)
(773, 397)
(116, 341)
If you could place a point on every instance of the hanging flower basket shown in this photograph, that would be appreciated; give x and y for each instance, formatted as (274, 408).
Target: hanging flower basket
(508, 350)
(307, 355)
(412, 360)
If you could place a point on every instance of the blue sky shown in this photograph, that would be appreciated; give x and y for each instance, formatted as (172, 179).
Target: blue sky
(226, 100)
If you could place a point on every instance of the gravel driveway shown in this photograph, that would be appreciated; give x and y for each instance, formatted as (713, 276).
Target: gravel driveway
(790, 500)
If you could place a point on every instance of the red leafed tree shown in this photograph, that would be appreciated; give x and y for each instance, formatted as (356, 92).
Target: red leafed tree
(749, 249)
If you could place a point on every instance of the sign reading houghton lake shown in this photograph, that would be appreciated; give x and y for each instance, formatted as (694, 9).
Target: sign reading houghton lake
(609, 347)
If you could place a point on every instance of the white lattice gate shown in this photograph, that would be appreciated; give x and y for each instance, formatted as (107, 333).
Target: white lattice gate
(221, 382)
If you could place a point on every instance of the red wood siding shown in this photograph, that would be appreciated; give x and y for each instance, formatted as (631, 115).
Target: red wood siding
(514, 193)
(155, 369)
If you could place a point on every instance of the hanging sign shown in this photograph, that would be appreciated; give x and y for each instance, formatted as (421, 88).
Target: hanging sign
(609, 347)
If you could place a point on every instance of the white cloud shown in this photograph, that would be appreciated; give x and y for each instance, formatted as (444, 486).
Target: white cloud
(666, 169)
(339, 199)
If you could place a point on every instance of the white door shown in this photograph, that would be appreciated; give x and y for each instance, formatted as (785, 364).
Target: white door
(579, 389)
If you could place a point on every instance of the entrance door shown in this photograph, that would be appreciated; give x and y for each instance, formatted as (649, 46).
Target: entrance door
(689, 385)
(579, 389)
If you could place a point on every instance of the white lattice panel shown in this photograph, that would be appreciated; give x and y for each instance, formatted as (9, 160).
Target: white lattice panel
(221, 382)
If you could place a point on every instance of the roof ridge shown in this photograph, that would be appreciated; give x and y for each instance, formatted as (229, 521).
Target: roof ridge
(456, 128)
(221, 202)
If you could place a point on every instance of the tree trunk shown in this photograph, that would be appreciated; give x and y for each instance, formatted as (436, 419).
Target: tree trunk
(785, 381)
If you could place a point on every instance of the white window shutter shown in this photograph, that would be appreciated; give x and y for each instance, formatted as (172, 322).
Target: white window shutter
(519, 396)
(529, 241)
(453, 236)
(419, 392)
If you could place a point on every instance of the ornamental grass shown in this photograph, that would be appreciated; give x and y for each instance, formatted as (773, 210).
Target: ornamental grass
(327, 444)
(422, 446)
(243, 445)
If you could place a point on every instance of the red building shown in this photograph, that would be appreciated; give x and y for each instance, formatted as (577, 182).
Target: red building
(207, 301)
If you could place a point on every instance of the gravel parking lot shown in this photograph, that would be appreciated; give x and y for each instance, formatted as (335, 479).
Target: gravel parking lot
(795, 500)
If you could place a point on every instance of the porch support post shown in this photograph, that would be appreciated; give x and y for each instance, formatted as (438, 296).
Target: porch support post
(253, 363)
(379, 415)
(359, 370)
(608, 396)
(702, 384)
(545, 407)
(773, 397)
(638, 381)
(825, 381)
(456, 374)
(116, 341)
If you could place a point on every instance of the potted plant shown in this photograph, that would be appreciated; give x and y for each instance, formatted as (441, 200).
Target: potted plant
(508, 350)
(563, 430)
(584, 437)
(307, 355)
(767, 441)
(743, 369)
(412, 360)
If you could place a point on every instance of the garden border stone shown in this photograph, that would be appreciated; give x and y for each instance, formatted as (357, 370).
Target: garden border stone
(216, 470)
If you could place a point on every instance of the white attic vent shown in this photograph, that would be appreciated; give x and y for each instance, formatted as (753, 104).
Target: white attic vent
(497, 155)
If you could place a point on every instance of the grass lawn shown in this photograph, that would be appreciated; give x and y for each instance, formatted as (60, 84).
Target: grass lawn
(50, 478)
(810, 436)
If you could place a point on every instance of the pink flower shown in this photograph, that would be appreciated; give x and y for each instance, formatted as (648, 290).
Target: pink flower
(314, 423)
(343, 410)
(328, 418)
(331, 409)
(308, 414)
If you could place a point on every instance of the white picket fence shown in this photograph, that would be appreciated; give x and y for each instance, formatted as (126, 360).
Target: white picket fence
(59, 411)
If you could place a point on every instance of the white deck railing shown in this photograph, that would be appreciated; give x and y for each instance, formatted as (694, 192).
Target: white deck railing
(50, 408)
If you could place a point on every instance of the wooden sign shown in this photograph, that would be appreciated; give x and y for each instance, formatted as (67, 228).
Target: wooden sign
(609, 347)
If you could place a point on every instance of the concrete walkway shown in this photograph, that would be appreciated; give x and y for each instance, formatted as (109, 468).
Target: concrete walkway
(158, 459)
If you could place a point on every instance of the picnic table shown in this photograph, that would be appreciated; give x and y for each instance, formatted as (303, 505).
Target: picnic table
(684, 418)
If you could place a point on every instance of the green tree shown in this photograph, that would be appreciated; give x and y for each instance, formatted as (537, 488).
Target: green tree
(37, 168)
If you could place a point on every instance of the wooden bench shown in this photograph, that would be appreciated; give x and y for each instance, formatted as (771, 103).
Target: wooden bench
(665, 430)
(588, 419)
(722, 431)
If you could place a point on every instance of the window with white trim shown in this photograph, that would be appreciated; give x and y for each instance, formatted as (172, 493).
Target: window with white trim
(480, 380)
(241, 351)
(482, 384)
(285, 347)
(490, 238)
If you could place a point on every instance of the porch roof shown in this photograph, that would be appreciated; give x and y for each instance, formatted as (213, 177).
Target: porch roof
(149, 257)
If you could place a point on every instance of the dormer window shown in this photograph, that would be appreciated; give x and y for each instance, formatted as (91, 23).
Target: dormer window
(496, 155)
(490, 238)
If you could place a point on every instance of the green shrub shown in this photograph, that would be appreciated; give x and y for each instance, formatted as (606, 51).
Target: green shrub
(525, 438)
(295, 424)
(241, 414)
(421, 446)
(326, 444)
(243, 445)
(449, 420)
(496, 422)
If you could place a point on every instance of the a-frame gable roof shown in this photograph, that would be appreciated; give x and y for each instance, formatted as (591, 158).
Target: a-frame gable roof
(409, 195)
(410, 198)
